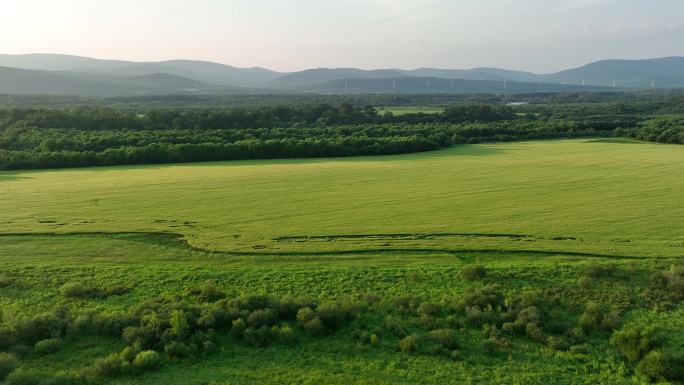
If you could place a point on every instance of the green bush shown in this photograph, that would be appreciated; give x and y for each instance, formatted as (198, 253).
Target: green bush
(79, 290)
(110, 366)
(600, 271)
(634, 341)
(238, 328)
(47, 346)
(445, 338)
(557, 343)
(26, 378)
(176, 349)
(534, 332)
(5, 281)
(473, 273)
(409, 344)
(259, 318)
(656, 365)
(8, 362)
(147, 359)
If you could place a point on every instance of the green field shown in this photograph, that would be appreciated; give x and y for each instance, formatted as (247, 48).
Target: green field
(404, 110)
(595, 197)
(537, 215)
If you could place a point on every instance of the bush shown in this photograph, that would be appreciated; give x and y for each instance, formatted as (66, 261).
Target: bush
(259, 318)
(492, 344)
(409, 344)
(5, 281)
(315, 327)
(147, 359)
(238, 328)
(634, 341)
(473, 273)
(177, 349)
(445, 338)
(8, 362)
(394, 326)
(25, 378)
(47, 346)
(600, 271)
(78, 290)
(557, 343)
(579, 349)
(109, 366)
(534, 332)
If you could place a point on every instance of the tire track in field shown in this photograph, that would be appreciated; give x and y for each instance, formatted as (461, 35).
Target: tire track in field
(177, 241)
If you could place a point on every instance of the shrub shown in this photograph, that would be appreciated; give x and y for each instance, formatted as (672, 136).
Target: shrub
(314, 326)
(177, 349)
(600, 271)
(8, 362)
(427, 308)
(579, 349)
(5, 281)
(25, 378)
(492, 344)
(47, 346)
(117, 290)
(207, 292)
(409, 344)
(374, 340)
(286, 335)
(534, 332)
(109, 366)
(238, 328)
(656, 365)
(143, 336)
(305, 314)
(473, 273)
(634, 341)
(78, 290)
(394, 326)
(557, 343)
(147, 359)
(262, 336)
(259, 318)
(445, 338)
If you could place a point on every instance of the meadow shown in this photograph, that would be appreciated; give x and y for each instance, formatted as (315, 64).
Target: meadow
(526, 262)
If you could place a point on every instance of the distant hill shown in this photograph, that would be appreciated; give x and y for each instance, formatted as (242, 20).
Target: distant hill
(76, 75)
(438, 85)
(664, 72)
(201, 71)
(316, 76)
(27, 82)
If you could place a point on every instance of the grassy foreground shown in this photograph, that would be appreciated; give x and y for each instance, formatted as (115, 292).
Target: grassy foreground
(494, 263)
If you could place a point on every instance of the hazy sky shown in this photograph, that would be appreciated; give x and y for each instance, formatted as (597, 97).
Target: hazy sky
(536, 35)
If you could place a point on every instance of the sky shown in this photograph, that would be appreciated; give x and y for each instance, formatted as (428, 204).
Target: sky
(534, 35)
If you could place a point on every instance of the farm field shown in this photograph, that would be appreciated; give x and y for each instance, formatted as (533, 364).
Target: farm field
(403, 110)
(424, 258)
(608, 197)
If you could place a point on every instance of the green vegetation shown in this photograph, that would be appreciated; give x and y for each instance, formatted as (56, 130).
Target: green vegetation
(530, 262)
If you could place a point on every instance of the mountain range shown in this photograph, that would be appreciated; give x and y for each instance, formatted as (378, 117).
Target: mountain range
(75, 75)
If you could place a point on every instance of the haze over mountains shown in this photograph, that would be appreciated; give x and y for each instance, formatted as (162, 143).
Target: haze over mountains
(74, 75)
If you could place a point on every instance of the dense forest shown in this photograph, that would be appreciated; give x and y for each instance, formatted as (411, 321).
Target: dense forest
(78, 136)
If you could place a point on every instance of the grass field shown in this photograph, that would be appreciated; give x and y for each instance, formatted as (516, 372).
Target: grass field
(403, 110)
(595, 197)
(536, 214)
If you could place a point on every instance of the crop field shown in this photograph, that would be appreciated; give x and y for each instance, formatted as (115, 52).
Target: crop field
(577, 196)
(431, 263)
(403, 110)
